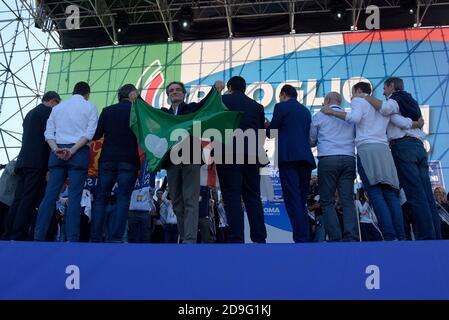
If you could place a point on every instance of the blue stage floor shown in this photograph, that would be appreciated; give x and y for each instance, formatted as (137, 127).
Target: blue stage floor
(381, 270)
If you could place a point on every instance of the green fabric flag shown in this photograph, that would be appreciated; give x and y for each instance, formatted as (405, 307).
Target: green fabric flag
(153, 127)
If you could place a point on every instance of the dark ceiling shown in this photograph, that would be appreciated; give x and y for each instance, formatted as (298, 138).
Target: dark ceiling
(145, 21)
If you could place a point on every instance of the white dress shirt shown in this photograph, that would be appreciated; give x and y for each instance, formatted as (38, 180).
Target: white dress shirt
(72, 119)
(399, 126)
(331, 135)
(371, 125)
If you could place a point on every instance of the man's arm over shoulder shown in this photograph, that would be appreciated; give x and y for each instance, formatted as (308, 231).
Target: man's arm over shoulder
(314, 129)
(401, 122)
(356, 113)
(389, 107)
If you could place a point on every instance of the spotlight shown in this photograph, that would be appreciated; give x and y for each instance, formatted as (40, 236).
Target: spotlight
(338, 9)
(121, 22)
(185, 17)
(408, 6)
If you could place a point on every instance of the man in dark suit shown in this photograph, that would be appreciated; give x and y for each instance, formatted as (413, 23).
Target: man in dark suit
(241, 179)
(119, 162)
(31, 167)
(296, 162)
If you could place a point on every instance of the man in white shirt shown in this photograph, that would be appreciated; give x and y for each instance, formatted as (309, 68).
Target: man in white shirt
(336, 169)
(375, 162)
(406, 143)
(70, 127)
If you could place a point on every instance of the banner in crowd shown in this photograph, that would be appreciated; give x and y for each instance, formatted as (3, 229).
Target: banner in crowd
(436, 174)
(313, 63)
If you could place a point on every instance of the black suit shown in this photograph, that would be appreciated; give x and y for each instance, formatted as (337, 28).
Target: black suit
(35, 150)
(119, 162)
(31, 166)
(242, 181)
(120, 143)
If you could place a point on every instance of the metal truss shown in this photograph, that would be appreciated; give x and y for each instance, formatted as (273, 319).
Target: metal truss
(23, 67)
(24, 48)
(166, 12)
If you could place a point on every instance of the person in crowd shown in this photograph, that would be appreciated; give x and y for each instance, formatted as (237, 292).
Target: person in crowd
(296, 161)
(368, 222)
(205, 223)
(167, 217)
(334, 139)
(223, 226)
(119, 162)
(140, 216)
(70, 127)
(86, 215)
(375, 163)
(241, 178)
(8, 185)
(157, 223)
(443, 211)
(31, 168)
(406, 144)
(317, 230)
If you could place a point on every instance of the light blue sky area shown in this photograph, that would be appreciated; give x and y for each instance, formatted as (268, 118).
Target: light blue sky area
(19, 91)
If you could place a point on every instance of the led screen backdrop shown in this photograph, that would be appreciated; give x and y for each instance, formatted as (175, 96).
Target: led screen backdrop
(315, 64)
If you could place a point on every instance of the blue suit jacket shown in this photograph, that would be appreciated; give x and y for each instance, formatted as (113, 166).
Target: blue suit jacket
(292, 120)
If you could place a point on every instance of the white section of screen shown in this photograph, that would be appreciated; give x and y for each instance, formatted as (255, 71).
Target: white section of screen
(201, 58)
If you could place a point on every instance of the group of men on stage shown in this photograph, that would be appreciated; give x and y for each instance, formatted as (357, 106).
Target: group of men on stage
(387, 135)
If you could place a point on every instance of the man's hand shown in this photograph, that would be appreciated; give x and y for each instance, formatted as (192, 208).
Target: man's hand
(418, 124)
(133, 95)
(219, 85)
(59, 152)
(63, 154)
(326, 110)
(266, 124)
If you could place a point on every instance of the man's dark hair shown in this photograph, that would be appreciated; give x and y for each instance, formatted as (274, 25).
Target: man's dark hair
(398, 83)
(50, 95)
(289, 91)
(364, 86)
(160, 190)
(237, 83)
(179, 84)
(81, 88)
(124, 91)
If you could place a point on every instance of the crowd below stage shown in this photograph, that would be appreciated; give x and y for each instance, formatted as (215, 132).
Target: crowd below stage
(43, 196)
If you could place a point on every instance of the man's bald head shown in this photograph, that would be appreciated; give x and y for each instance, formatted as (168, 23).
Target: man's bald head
(332, 98)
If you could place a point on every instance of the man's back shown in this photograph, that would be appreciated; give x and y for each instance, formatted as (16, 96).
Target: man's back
(292, 120)
(72, 119)
(253, 112)
(371, 126)
(252, 119)
(120, 143)
(331, 135)
(35, 151)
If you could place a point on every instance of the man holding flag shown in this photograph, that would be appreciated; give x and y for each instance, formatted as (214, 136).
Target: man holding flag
(155, 131)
